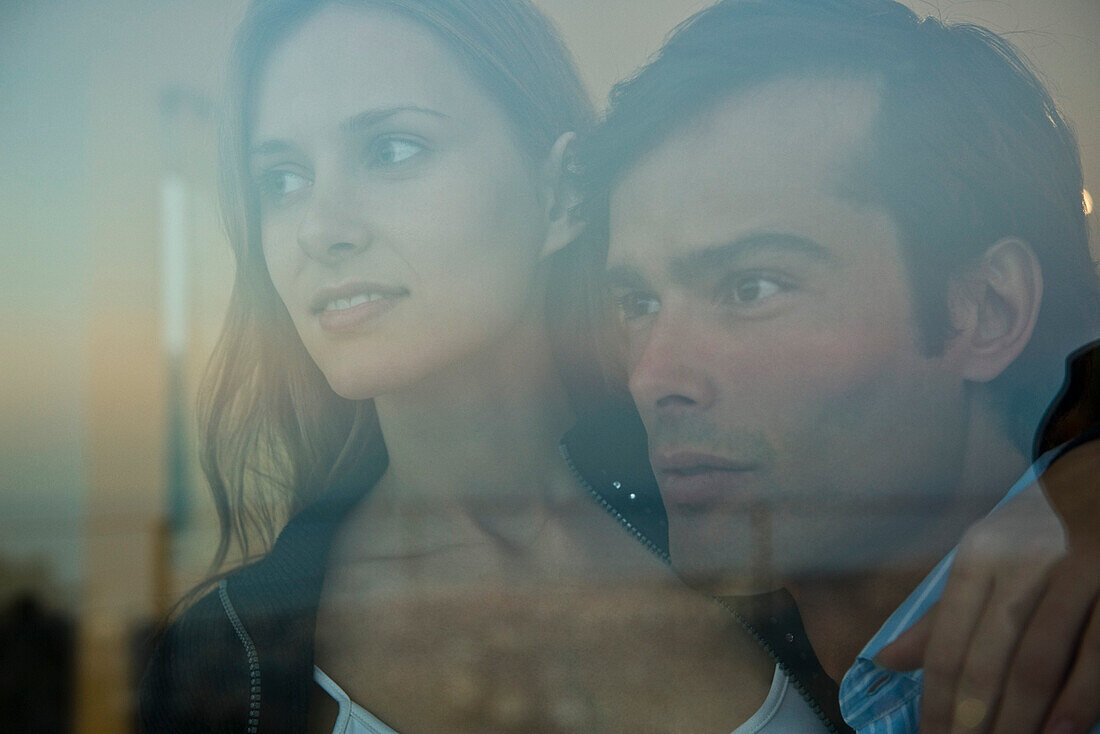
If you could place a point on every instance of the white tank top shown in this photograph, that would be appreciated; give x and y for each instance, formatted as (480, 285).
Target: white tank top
(783, 711)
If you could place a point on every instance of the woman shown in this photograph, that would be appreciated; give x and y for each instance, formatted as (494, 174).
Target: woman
(399, 202)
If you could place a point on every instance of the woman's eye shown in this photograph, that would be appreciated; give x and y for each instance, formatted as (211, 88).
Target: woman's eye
(748, 290)
(636, 305)
(276, 186)
(393, 151)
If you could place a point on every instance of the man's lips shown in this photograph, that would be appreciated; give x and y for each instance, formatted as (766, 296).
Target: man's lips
(696, 480)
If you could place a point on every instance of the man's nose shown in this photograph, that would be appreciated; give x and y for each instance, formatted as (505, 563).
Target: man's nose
(334, 226)
(670, 374)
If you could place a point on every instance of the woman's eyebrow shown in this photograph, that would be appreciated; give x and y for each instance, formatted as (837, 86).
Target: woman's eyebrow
(372, 117)
(356, 123)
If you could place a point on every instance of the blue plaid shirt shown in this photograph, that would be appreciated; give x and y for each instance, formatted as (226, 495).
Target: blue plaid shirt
(879, 701)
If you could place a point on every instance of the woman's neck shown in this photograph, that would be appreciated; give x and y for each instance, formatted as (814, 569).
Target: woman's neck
(486, 430)
(477, 492)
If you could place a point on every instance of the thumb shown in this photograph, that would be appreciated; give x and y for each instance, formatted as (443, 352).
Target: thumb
(907, 651)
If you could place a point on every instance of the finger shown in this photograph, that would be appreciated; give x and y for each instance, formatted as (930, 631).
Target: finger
(907, 651)
(978, 690)
(960, 608)
(1045, 651)
(1078, 706)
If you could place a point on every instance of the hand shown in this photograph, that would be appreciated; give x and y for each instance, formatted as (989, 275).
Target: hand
(1015, 640)
(1058, 658)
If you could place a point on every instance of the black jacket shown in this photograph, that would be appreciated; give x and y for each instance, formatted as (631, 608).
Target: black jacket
(240, 660)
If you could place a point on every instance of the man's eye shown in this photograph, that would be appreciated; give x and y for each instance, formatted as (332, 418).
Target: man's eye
(275, 186)
(636, 305)
(393, 151)
(748, 290)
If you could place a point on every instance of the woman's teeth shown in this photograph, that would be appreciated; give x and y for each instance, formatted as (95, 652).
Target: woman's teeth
(341, 304)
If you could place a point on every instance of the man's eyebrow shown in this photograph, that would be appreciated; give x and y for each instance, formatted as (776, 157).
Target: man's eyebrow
(270, 147)
(700, 262)
(622, 276)
(353, 124)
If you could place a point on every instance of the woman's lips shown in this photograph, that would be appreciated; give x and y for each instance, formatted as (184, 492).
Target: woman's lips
(352, 317)
(696, 481)
(353, 303)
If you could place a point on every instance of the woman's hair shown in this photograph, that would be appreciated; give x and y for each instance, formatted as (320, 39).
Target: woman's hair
(274, 434)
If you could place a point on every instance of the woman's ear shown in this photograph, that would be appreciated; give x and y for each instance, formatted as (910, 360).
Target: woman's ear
(994, 309)
(560, 192)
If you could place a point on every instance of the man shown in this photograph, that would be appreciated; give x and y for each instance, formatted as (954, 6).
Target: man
(849, 255)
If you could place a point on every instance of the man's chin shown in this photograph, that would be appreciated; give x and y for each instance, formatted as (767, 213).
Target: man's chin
(721, 575)
(714, 582)
(721, 555)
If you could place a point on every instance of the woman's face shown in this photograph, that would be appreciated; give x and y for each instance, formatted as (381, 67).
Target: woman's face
(401, 223)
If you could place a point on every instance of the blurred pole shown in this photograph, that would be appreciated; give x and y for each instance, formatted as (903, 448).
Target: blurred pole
(180, 107)
(174, 211)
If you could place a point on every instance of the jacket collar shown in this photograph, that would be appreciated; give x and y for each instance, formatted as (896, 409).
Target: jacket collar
(608, 452)
(277, 597)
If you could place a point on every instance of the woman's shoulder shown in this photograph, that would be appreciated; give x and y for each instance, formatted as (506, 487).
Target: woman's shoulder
(205, 672)
(198, 678)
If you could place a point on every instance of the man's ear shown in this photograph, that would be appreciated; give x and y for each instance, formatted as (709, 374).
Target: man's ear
(994, 309)
(560, 194)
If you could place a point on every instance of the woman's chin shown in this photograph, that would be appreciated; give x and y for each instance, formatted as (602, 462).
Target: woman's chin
(358, 385)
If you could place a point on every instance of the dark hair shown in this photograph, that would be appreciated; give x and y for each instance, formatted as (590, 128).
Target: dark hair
(968, 148)
(275, 434)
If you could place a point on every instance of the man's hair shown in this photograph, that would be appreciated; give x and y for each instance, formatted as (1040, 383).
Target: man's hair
(967, 148)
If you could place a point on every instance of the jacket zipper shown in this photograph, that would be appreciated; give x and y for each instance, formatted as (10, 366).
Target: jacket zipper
(667, 560)
(251, 655)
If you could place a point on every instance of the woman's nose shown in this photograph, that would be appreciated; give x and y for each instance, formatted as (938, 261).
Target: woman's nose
(334, 225)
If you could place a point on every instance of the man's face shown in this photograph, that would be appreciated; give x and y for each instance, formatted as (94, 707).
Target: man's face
(794, 424)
